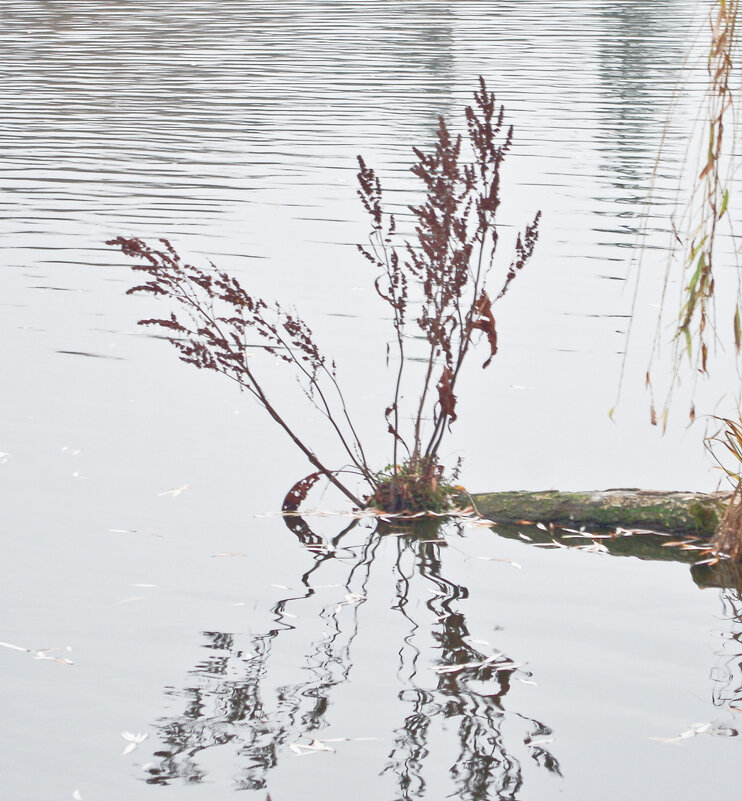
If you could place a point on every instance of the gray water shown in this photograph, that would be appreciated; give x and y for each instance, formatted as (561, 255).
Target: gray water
(132, 486)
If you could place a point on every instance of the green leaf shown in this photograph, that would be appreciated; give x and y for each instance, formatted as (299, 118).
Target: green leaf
(699, 271)
(724, 203)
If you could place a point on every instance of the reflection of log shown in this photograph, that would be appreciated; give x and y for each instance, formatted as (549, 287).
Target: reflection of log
(679, 512)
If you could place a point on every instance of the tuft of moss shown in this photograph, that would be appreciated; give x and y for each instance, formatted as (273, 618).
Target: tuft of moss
(413, 487)
(706, 517)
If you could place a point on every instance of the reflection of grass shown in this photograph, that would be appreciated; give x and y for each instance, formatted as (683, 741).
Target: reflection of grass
(452, 689)
(647, 546)
(650, 547)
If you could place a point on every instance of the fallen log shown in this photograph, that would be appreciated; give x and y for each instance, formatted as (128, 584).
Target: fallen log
(696, 513)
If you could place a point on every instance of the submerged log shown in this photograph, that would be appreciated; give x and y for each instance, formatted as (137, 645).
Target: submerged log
(695, 513)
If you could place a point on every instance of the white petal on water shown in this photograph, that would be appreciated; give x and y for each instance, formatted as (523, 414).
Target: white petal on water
(480, 522)
(528, 681)
(525, 537)
(280, 586)
(14, 647)
(133, 740)
(712, 560)
(541, 743)
(510, 562)
(40, 653)
(145, 585)
(696, 728)
(173, 493)
(692, 731)
(130, 600)
(508, 665)
(594, 547)
(71, 451)
(76, 795)
(122, 531)
(59, 659)
(228, 554)
(541, 526)
(319, 745)
(4, 457)
(450, 668)
(314, 747)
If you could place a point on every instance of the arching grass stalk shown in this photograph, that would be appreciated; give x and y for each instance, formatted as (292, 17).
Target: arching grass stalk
(728, 439)
(435, 286)
(696, 327)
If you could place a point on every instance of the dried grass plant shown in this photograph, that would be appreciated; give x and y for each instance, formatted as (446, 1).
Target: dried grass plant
(436, 289)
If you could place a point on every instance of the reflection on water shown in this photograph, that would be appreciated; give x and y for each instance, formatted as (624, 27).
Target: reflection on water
(452, 687)
(726, 676)
(450, 682)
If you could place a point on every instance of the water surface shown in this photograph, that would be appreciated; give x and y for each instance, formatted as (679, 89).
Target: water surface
(232, 129)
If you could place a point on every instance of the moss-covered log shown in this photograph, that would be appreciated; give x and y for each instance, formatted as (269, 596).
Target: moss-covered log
(677, 512)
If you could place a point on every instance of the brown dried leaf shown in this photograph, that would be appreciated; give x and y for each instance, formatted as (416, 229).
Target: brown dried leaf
(445, 394)
(298, 493)
(486, 322)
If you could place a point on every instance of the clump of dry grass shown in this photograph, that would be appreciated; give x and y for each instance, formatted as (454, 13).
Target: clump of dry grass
(728, 539)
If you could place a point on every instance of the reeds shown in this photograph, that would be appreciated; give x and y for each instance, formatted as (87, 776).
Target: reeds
(696, 328)
(434, 285)
(728, 539)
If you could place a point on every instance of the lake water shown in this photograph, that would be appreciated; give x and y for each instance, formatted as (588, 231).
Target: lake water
(133, 486)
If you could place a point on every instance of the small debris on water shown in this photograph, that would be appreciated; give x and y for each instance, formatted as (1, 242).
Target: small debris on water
(41, 653)
(129, 600)
(510, 562)
(173, 493)
(133, 741)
